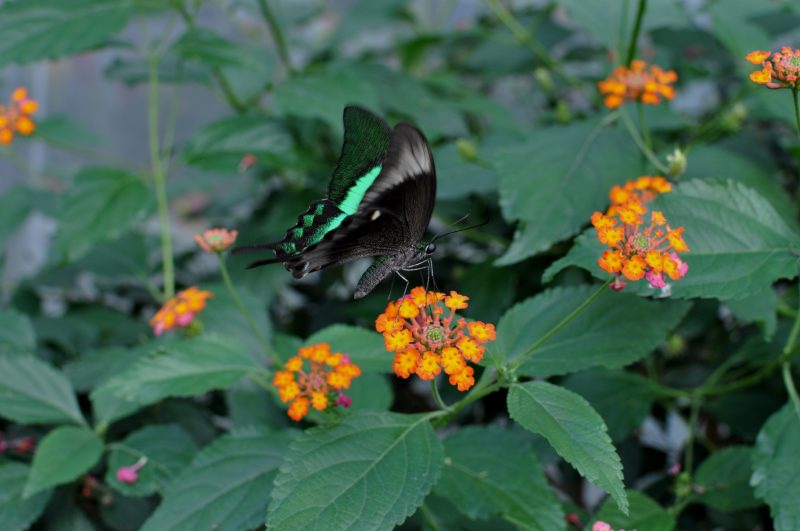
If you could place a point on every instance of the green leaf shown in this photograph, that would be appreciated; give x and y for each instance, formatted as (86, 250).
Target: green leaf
(776, 467)
(16, 333)
(724, 480)
(227, 485)
(759, 307)
(553, 182)
(335, 476)
(222, 317)
(95, 366)
(48, 29)
(62, 456)
(507, 481)
(574, 430)
(16, 513)
(370, 391)
(100, 205)
(644, 514)
(613, 331)
(167, 448)
(222, 144)
(15, 204)
(457, 177)
(365, 347)
(33, 392)
(64, 132)
(204, 45)
(622, 398)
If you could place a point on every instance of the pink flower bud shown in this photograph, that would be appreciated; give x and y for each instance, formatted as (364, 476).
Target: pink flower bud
(618, 284)
(130, 474)
(344, 400)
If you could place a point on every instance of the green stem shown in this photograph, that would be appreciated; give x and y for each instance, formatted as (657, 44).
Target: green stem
(159, 180)
(436, 396)
(277, 34)
(789, 384)
(796, 109)
(788, 349)
(484, 387)
(637, 27)
(230, 95)
(694, 413)
(641, 144)
(561, 324)
(648, 141)
(246, 313)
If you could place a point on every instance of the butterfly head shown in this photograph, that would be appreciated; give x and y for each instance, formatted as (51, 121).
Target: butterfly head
(430, 249)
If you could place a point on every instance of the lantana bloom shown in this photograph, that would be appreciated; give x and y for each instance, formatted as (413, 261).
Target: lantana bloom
(315, 378)
(641, 82)
(15, 117)
(638, 250)
(180, 310)
(422, 330)
(216, 240)
(778, 70)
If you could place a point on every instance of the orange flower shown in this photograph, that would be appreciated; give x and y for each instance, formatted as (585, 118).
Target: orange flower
(315, 377)
(216, 240)
(427, 340)
(641, 82)
(637, 251)
(180, 311)
(778, 70)
(16, 116)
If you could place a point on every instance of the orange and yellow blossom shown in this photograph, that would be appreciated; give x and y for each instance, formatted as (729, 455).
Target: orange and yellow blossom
(180, 311)
(15, 117)
(638, 250)
(639, 82)
(427, 339)
(315, 378)
(778, 70)
(216, 240)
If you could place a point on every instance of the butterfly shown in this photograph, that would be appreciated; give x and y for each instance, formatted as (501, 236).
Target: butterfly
(379, 203)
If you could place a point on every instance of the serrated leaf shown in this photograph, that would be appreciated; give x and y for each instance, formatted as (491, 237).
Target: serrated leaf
(336, 476)
(507, 481)
(167, 448)
(17, 514)
(222, 144)
(725, 480)
(95, 366)
(365, 347)
(205, 45)
(370, 391)
(573, 429)
(48, 29)
(100, 204)
(16, 333)
(553, 182)
(776, 467)
(222, 317)
(227, 486)
(62, 456)
(644, 514)
(182, 368)
(613, 331)
(32, 392)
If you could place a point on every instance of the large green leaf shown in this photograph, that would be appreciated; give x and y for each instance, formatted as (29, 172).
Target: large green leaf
(16, 333)
(182, 368)
(222, 316)
(227, 486)
(95, 366)
(574, 430)
(222, 144)
(62, 456)
(100, 204)
(17, 514)
(723, 480)
(552, 182)
(507, 481)
(776, 467)
(338, 477)
(48, 29)
(365, 347)
(32, 392)
(644, 513)
(15, 204)
(203, 44)
(167, 448)
(615, 330)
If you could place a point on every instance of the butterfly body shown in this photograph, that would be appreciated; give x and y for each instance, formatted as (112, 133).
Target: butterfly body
(380, 200)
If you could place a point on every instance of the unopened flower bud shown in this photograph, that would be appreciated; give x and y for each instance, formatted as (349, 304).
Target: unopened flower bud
(130, 474)
(676, 163)
(544, 79)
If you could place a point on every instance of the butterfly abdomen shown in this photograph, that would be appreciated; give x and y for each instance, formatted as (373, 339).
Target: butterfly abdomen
(312, 225)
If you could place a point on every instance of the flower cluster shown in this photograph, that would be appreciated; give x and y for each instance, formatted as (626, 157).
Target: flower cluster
(16, 116)
(180, 310)
(637, 251)
(641, 82)
(781, 70)
(315, 378)
(216, 240)
(426, 341)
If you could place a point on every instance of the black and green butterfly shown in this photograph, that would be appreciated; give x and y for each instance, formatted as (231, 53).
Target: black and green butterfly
(379, 203)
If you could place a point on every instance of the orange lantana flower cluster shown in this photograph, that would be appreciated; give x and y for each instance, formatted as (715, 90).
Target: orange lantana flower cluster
(216, 240)
(781, 70)
(180, 311)
(639, 251)
(641, 82)
(315, 378)
(426, 341)
(16, 116)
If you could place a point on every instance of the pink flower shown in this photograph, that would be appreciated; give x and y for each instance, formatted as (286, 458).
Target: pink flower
(601, 526)
(683, 267)
(656, 280)
(344, 400)
(675, 469)
(618, 284)
(130, 474)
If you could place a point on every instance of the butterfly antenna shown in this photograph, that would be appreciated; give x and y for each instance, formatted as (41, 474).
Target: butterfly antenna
(481, 224)
(453, 224)
(243, 249)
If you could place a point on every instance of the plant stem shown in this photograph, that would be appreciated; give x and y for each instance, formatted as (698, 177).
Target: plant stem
(788, 349)
(276, 361)
(796, 109)
(648, 141)
(694, 412)
(789, 384)
(484, 387)
(637, 27)
(561, 324)
(641, 144)
(159, 180)
(277, 34)
(436, 396)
